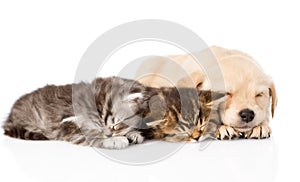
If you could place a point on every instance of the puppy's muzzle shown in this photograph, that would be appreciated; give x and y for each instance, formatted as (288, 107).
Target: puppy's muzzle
(247, 115)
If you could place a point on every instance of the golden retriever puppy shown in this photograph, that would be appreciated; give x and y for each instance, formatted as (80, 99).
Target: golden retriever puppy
(251, 93)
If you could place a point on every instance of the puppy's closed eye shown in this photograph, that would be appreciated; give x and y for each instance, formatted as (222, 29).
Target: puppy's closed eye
(261, 94)
(199, 85)
(229, 94)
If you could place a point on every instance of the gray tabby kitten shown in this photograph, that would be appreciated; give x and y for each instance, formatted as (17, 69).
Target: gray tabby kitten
(81, 113)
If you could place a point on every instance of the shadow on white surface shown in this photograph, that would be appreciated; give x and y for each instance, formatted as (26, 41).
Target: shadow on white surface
(148, 153)
(241, 160)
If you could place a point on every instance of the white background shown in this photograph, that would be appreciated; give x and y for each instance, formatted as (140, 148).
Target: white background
(42, 43)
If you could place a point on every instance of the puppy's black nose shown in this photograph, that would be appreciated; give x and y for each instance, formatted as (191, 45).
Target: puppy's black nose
(247, 115)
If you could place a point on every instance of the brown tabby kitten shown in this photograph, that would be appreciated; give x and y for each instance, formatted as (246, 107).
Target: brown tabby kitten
(110, 113)
(183, 114)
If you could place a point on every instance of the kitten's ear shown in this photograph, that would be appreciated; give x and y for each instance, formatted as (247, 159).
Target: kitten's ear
(135, 101)
(134, 97)
(211, 98)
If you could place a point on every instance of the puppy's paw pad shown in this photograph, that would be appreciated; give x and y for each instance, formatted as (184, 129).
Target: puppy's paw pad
(117, 142)
(135, 137)
(226, 133)
(259, 132)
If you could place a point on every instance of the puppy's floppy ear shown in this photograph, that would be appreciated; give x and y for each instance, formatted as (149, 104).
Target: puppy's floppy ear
(273, 94)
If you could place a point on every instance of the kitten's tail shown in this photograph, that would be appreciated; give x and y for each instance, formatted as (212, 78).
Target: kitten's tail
(20, 132)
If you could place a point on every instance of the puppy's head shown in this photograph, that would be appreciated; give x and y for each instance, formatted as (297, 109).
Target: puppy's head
(249, 93)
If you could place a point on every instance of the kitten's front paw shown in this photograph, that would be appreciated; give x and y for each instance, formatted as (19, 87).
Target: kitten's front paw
(259, 132)
(116, 142)
(135, 137)
(226, 133)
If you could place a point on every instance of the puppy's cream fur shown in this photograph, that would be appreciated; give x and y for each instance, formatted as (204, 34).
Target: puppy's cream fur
(248, 87)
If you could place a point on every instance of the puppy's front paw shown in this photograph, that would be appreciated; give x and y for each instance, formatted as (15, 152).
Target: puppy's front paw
(259, 132)
(226, 133)
(117, 142)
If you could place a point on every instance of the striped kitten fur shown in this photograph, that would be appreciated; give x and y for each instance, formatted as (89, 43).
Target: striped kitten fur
(183, 114)
(112, 113)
